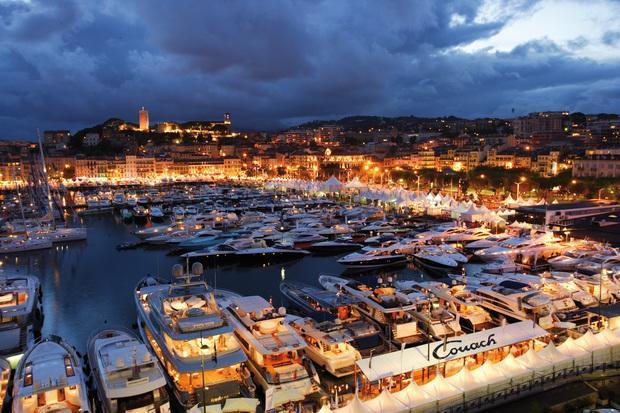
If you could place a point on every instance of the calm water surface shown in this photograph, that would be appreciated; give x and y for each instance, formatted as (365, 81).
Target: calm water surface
(89, 284)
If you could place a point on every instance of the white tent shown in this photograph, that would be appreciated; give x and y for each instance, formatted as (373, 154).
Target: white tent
(469, 384)
(580, 356)
(413, 396)
(491, 375)
(600, 348)
(613, 337)
(355, 183)
(517, 372)
(472, 214)
(559, 360)
(385, 403)
(356, 406)
(442, 391)
(333, 184)
(534, 362)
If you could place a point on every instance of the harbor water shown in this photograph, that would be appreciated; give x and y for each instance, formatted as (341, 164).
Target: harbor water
(89, 284)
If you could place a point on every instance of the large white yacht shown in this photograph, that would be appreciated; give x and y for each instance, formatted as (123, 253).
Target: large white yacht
(49, 378)
(569, 260)
(487, 242)
(439, 258)
(373, 258)
(329, 345)
(440, 232)
(384, 305)
(599, 262)
(13, 245)
(523, 249)
(275, 350)
(127, 376)
(517, 302)
(467, 236)
(193, 341)
(20, 314)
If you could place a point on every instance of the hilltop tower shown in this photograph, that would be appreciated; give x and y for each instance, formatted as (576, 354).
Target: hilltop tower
(144, 119)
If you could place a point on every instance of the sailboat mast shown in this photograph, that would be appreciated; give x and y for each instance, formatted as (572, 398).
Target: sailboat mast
(47, 184)
(21, 208)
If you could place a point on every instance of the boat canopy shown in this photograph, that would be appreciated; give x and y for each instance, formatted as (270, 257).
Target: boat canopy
(415, 358)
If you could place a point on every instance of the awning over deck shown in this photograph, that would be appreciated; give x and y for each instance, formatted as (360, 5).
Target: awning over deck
(415, 358)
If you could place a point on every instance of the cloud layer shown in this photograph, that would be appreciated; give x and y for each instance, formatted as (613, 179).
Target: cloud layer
(69, 63)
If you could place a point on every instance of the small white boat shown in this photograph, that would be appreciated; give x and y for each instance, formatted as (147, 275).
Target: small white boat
(19, 244)
(127, 376)
(156, 213)
(49, 378)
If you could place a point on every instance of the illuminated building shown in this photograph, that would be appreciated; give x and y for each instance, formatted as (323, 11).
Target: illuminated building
(144, 119)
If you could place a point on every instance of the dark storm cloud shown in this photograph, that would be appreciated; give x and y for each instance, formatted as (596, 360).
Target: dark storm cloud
(69, 64)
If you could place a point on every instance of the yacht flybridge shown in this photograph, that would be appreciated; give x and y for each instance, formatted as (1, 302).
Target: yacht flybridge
(186, 329)
(128, 377)
(49, 378)
(274, 348)
(20, 314)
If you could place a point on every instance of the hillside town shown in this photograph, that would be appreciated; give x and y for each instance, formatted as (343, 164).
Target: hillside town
(568, 153)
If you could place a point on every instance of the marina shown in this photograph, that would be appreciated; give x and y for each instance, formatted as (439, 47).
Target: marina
(278, 299)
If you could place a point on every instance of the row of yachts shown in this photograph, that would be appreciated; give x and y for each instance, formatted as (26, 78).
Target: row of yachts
(197, 346)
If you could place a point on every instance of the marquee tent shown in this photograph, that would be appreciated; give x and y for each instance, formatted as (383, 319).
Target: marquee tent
(386, 402)
(413, 396)
(355, 406)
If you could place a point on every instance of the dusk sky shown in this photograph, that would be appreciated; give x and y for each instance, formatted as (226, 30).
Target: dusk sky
(69, 64)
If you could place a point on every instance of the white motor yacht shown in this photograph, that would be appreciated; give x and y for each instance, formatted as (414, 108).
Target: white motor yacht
(49, 378)
(127, 376)
(156, 213)
(569, 260)
(118, 199)
(373, 258)
(21, 315)
(14, 245)
(440, 232)
(63, 234)
(186, 329)
(274, 349)
(384, 305)
(597, 263)
(226, 251)
(439, 258)
(467, 236)
(523, 249)
(329, 345)
(487, 242)
(517, 302)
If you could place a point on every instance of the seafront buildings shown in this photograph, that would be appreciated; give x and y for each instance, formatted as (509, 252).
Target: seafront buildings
(406, 151)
